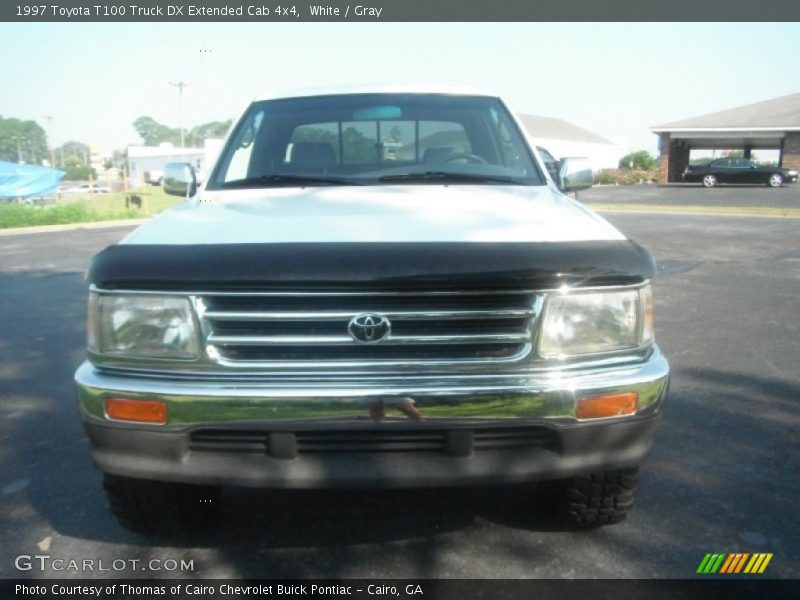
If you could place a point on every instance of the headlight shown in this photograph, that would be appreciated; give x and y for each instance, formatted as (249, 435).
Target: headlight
(578, 322)
(141, 326)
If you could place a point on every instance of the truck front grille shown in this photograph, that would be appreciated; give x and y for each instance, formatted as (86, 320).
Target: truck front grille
(314, 328)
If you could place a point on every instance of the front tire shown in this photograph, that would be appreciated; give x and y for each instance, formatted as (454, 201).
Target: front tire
(775, 180)
(597, 499)
(157, 507)
(709, 180)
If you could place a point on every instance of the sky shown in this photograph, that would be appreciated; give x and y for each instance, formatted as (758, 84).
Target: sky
(616, 80)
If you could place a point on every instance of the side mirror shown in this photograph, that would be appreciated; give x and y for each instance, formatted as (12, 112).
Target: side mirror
(575, 174)
(180, 180)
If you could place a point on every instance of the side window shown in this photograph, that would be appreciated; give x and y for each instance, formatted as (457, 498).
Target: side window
(510, 151)
(239, 164)
(550, 163)
(548, 159)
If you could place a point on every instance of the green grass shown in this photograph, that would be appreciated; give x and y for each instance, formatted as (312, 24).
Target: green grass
(85, 209)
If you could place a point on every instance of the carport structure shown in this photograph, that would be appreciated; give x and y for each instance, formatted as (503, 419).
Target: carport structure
(769, 125)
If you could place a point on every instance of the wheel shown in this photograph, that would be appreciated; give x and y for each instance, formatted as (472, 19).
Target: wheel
(596, 499)
(156, 507)
(775, 180)
(709, 180)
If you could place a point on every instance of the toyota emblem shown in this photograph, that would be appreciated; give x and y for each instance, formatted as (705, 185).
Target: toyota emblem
(368, 328)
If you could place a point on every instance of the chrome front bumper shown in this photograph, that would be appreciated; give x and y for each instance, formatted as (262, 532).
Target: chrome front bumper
(547, 394)
(535, 404)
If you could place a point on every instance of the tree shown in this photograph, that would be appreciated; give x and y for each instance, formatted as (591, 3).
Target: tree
(212, 129)
(396, 133)
(154, 133)
(73, 149)
(75, 169)
(641, 159)
(358, 148)
(119, 157)
(22, 141)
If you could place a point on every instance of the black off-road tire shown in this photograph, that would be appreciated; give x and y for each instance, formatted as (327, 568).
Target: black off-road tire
(598, 499)
(157, 507)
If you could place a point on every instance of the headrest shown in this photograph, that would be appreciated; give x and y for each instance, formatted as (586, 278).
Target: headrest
(312, 154)
(436, 154)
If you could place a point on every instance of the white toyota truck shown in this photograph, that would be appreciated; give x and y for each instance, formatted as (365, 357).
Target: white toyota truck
(381, 288)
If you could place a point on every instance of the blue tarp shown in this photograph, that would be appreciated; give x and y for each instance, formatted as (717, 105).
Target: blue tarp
(24, 181)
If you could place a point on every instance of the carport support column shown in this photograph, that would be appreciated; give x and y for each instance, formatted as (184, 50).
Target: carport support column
(790, 152)
(674, 159)
(679, 160)
(664, 158)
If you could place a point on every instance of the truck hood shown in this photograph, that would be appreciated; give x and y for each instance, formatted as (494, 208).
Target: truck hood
(389, 213)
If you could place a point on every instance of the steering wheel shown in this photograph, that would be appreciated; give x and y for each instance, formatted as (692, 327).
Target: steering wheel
(471, 158)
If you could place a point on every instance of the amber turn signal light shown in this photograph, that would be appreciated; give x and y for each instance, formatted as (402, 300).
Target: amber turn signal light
(140, 411)
(607, 405)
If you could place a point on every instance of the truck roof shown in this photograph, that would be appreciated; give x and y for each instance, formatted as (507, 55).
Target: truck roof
(376, 89)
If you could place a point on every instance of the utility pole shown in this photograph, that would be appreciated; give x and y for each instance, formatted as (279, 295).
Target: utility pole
(52, 148)
(180, 85)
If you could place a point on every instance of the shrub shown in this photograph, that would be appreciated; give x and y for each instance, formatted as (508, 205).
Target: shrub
(641, 159)
(625, 176)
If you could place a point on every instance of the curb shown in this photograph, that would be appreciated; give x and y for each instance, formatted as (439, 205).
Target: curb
(70, 226)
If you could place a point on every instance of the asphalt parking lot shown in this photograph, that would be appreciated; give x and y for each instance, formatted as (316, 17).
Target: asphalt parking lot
(724, 475)
(759, 196)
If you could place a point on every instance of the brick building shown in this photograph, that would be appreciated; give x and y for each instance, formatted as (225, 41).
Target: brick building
(769, 125)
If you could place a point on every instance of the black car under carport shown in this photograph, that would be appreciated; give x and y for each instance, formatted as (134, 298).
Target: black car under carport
(737, 170)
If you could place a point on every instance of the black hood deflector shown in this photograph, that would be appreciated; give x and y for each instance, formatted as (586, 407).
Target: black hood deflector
(404, 265)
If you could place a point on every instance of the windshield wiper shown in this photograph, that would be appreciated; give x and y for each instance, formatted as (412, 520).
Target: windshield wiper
(447, 176)
(288, 179)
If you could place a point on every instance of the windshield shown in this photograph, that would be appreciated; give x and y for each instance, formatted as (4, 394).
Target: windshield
(376, 139)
